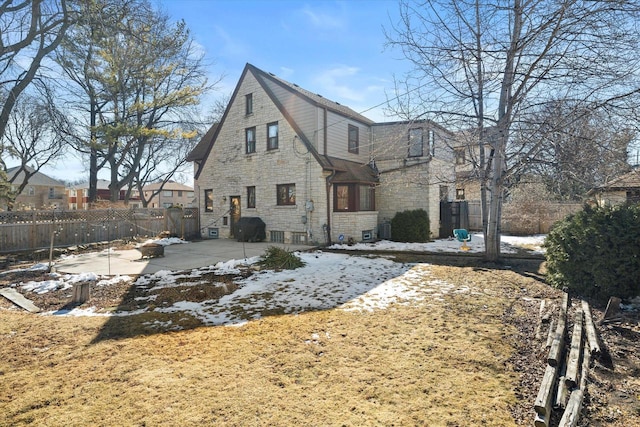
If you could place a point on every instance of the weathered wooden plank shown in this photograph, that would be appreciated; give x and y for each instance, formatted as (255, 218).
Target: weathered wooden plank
(19, 300)
(543, 401)
(590, 328)
(81, 292)
(551, 333)
(557, 346)
(573, 363)
(541, 421)
(562, 393)
(571, 414)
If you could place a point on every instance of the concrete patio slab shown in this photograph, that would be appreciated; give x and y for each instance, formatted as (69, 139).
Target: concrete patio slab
(184, 256)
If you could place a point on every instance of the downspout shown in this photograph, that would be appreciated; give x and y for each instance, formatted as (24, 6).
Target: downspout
(329, 178)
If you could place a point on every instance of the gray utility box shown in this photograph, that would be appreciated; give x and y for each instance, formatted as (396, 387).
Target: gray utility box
(249, 229)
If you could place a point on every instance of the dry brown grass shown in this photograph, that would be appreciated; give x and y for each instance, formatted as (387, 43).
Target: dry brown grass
(439, 363)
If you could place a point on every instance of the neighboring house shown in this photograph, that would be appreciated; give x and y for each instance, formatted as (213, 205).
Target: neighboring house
(467, 160)
(315, 171)
(41, 192)
(78, 196)
(172, 194)
(624, 189)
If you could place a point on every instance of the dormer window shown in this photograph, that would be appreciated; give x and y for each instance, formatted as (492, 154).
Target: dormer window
(248, 99)
(272, 136)
(354, 142)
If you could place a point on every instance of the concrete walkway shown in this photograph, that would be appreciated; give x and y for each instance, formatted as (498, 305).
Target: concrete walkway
(176, 257)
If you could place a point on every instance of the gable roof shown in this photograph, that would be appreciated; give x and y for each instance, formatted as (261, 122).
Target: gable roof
(202, 150)
(37, 179)
(623, 182)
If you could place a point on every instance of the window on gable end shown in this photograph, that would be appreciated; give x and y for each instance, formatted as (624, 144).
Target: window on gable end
(248, 104)
(354, 139)
(460, 156)
(250, 140)
(272, 136)
(416, 142)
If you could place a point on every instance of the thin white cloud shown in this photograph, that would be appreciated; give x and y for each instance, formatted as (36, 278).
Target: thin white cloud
(346, 83)
(229, 45)
(324, 20)
(286, 72)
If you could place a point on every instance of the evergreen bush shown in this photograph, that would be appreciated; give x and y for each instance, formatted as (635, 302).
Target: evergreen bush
(595, 253)
(280, 259)
(410, 226)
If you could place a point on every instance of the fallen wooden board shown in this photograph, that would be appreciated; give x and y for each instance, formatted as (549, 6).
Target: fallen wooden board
(19, 300)
(543, 402)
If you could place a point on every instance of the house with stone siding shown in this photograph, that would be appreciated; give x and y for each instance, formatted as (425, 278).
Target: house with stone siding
(313, 170)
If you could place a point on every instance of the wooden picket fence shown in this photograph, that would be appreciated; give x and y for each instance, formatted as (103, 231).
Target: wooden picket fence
(33, 230)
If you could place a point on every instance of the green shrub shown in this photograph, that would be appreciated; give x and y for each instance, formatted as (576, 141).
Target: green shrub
(410, 226)
(595, 253)
(280, 259)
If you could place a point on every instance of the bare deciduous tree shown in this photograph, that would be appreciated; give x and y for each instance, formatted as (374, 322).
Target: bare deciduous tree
(30, 137)
(482, 67)
(29, 31)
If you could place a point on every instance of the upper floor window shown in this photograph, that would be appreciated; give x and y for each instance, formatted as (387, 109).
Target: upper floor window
(167, 193)
(354, 140)
(31, 191)
(459, 193)
(286, 194)
(460, 156)
(52, 193)
(250, 140)
(416, 142)
(248, 104)
(208, 200)
(251, 197)
(272, 136)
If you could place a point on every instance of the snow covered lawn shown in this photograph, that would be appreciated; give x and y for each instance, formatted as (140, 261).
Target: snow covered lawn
(328, 280)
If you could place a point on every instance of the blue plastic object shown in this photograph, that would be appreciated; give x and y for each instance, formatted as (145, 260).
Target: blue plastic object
(462, 235)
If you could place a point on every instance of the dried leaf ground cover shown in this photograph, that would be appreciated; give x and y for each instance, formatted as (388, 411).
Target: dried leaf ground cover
(461, 356)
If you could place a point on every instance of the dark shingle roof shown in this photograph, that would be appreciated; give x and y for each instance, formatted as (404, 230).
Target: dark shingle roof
(201, 149)
(352, 172)
(37, 179)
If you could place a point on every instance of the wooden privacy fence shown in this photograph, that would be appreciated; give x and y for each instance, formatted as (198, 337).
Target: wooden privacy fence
(521, 220)
(32, 230)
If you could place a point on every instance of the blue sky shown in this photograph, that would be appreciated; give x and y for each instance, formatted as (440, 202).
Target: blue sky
(334, 48)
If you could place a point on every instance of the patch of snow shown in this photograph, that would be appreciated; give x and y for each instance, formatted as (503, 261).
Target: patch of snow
(166, 241)
(327, 280)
